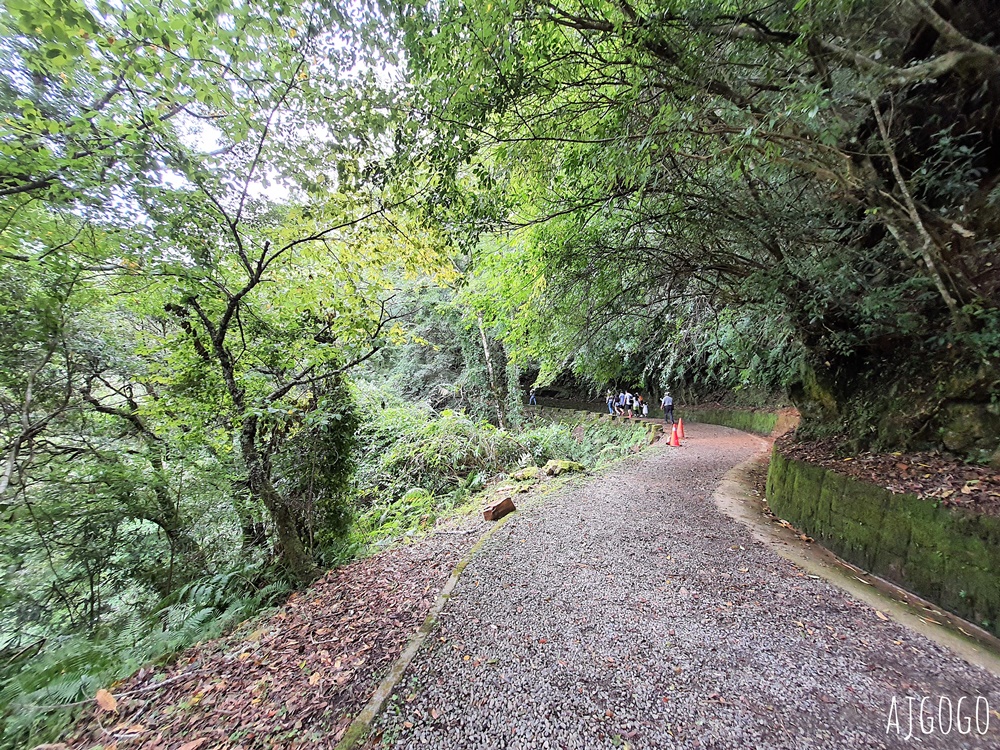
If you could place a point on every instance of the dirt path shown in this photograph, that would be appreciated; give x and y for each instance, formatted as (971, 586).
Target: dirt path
(630, 612)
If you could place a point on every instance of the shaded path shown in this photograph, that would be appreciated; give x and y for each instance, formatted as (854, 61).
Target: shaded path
(629, 611)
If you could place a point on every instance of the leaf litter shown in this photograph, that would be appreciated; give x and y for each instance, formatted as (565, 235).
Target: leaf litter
(934, 476)
(296, 679)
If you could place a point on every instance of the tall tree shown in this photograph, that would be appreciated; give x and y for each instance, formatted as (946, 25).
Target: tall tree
(198, 144)
(748, 153)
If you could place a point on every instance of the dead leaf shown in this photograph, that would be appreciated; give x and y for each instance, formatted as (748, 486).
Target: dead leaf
(193, 744)
(106, 700)
(881, 616)
(369, 609)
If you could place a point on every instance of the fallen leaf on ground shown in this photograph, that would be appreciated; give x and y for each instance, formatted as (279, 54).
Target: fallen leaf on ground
(106, 700)
(940, 477)
(365, 611)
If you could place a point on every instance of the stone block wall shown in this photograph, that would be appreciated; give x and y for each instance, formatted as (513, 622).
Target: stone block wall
(948, 556)
(758, 422)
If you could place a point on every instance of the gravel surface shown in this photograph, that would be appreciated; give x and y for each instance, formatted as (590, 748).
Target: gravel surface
(629, 612)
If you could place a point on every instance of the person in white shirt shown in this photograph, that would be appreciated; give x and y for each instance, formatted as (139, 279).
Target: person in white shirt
(668, 408)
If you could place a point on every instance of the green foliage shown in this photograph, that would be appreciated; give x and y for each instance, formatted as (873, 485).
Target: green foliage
(212, 217)
(314, 465)
(685, 196)
(406, 446)
(592, 444)
(190, 268)
(40, 684)
(416, 464)
(442, 360)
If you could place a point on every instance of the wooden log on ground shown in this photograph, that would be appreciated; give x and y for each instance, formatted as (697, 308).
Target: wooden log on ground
(497, 510)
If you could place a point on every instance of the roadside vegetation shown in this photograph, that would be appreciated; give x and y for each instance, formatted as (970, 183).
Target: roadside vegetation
(415, 466)
(275, 278)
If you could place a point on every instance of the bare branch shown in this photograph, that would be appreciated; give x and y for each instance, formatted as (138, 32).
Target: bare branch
(927, 247)
(953, 36)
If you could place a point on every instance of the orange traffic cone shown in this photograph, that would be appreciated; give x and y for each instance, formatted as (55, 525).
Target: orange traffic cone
(674, 441)
(680, 428)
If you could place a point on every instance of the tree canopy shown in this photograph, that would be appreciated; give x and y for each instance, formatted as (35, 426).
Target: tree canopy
(237, 240)
(825, 168)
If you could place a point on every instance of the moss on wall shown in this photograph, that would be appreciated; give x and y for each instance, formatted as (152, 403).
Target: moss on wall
(759, 422)
(948, 556)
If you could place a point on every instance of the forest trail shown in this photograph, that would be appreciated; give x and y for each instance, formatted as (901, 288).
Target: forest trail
(629, 612)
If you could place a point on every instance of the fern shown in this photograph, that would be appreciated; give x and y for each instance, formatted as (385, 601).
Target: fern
(36, 694)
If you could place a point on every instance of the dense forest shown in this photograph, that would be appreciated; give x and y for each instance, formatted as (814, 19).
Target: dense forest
(275, 276)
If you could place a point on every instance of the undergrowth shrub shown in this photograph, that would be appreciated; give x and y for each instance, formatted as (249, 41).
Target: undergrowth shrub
(39, 686)
(417, 464)
(592, 444)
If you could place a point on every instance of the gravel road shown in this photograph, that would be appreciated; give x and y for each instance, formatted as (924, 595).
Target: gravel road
(629, 612)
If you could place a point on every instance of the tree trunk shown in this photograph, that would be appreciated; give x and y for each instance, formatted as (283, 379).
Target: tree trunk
(291, 551)
(168, 518)
(491, 376)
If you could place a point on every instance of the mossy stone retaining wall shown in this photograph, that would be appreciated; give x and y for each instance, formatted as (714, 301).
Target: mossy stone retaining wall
(947, 556)
(759, 422)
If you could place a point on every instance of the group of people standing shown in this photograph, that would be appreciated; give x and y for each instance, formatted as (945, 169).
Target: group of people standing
(625, 404)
